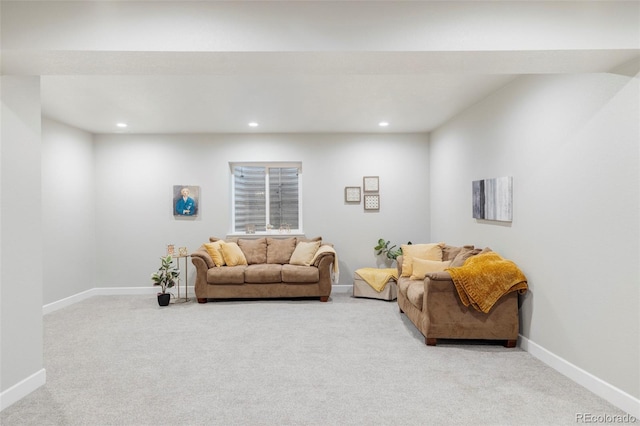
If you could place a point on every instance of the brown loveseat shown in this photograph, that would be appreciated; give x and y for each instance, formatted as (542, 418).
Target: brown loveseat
(434, 306)
(264, 268)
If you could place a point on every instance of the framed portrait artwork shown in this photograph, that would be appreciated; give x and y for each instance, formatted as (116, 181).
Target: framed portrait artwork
(186, 200)
(371, 183)
(352, 194)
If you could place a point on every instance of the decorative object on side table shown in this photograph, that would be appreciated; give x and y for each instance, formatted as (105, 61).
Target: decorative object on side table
(165, 277)
(352, 194)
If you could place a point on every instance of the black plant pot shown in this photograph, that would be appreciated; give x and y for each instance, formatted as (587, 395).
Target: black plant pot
(163, 299)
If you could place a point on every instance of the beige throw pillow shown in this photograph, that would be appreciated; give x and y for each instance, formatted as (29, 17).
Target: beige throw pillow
(232, 254)
(304, 252)
(423, 267)
(431, 251)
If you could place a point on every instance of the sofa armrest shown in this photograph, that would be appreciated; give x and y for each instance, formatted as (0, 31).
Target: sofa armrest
(399, 265)
(448, 317)
(321, 256)
(439, 282)
(205, 256)
(439, 276)
(201, 273)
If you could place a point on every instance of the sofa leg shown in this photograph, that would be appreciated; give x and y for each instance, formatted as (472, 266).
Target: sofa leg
(430, 341)
(510, 343)
(202, 300)
(324, 298)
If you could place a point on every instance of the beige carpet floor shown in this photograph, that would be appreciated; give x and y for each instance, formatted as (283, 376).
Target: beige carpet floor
(122, 360)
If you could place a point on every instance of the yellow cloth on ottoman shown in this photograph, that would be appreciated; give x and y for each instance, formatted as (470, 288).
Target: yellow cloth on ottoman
(377, 278)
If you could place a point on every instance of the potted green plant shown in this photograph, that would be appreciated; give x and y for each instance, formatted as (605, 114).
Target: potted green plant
(165, 277)
(391, 253)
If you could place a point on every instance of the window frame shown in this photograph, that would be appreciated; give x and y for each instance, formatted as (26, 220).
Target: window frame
(267, 165)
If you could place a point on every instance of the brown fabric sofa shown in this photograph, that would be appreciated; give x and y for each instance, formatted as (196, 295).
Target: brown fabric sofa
(266, 271)
(434, 306)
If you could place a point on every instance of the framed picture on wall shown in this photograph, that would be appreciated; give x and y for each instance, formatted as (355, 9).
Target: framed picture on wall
(372, 202)
(186, 200)
(352, 194)
(371, 183)
(492, 199)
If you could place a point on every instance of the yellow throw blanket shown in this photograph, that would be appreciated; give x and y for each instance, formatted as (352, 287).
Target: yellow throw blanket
(485, 278)
(377, 277)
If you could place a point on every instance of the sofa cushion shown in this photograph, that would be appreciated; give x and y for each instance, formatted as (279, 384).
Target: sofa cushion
(312, 240)
(215, 252)
(415, 293)
(304, 252)
(422, 267)
(465, 253)
(226, 275)
(449, 252)
(232, 254)
(279, 250)
(300, 274)
(255, 251)
(263, 273)
(228, 240)
(431, 251)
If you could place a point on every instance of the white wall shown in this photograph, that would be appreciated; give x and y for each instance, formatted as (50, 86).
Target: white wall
(68, 207)
(571, 144)
(135, 175)
(21, 363)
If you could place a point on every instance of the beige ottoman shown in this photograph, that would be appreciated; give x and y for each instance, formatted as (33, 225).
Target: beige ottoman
(362, 289)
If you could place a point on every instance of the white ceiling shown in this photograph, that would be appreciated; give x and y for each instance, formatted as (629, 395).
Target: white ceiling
(299, 93)
(200, 67)
(289, 103)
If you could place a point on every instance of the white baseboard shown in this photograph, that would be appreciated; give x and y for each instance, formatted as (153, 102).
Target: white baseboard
(615, 396)
(22, 389)
(67, 301)
(342, 288)
(102, 291)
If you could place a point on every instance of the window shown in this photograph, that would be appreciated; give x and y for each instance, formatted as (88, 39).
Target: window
(266, 193)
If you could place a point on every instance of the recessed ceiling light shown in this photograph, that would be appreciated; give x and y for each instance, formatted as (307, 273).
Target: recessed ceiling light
(121, 125)
(253, 124)
(383, 124)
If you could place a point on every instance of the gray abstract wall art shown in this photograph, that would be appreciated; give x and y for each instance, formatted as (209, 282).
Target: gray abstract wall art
(492, 199)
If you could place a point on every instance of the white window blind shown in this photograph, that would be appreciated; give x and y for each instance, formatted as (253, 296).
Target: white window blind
(266, 193)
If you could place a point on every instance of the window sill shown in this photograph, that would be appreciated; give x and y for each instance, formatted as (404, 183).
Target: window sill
(261, 234)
